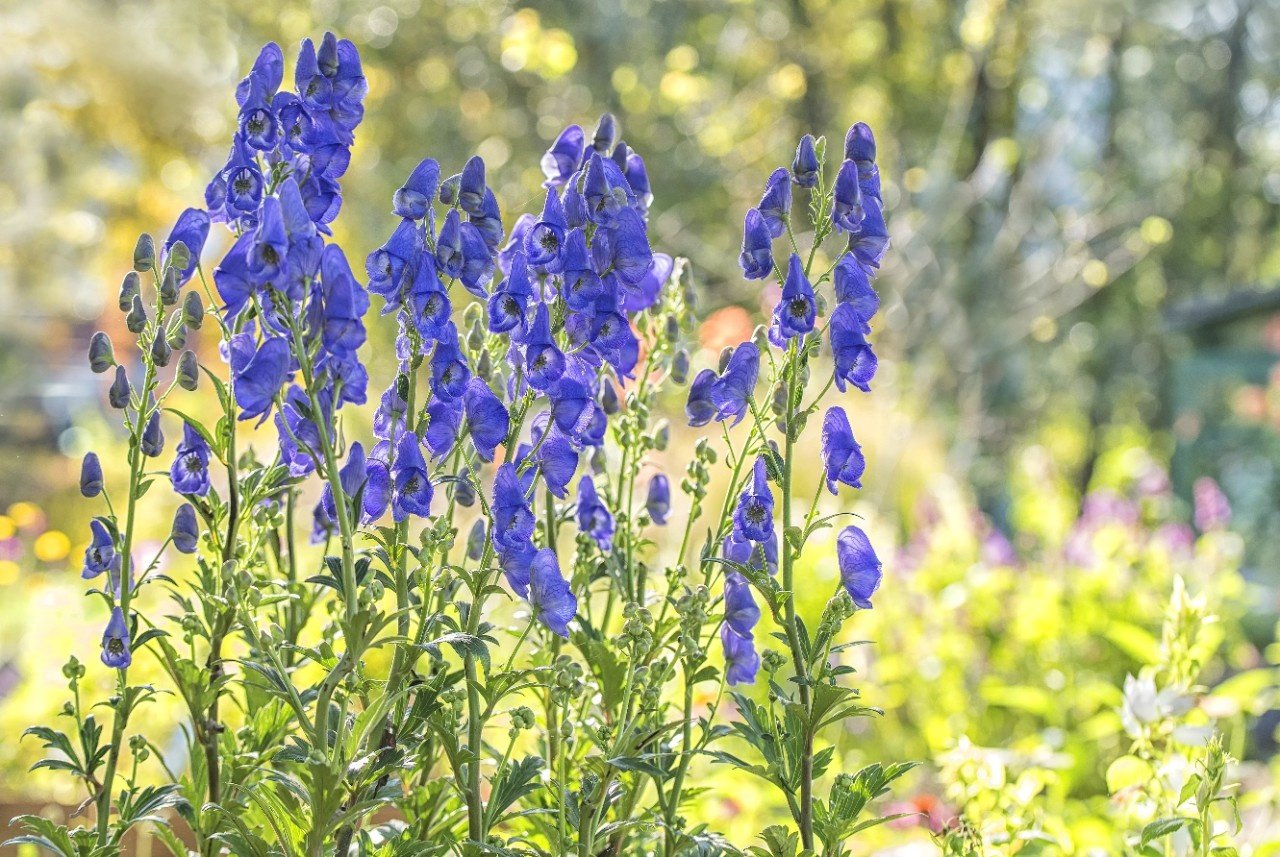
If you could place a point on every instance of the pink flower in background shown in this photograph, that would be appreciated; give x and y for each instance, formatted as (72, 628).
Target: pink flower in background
(1213, 510)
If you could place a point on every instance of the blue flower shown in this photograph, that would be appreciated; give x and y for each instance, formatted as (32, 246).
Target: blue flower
(564, 157)
(544, 361)
(756, 259)
(489, 221)
(471, 188)
(860, 569)
(645, 293)
(487, 418)
(556, 455)
(411, 485)
(477, 261)
(855, 361)
(658, 501)
(512, 516)
(631, 255)
(732, 391)
(869, 244)
(444, 423)
(364, 477)
(257, 373)
(753, 516)
(775, 205)
(432, 309)
(549, 595)
(582, 285)
(192, 229)
(860, 143)
(544, 241)
(115, 641)
(449, 370)
(700, 407)
(804, 169)
(846, 205)
(638, 178)
(298, 433)
(101, 554)
(741, 660)
(413, 201)
(593, 516)
(510, 301)
(190, 470)
(763, 556)
(119, 392)
(449, 245)
(91, 475)
(268, 68)
(235, 284)
(152, 441)
(387, 265)
(572, 404)
(841, 455)
(186, 532)
(515, 563)
(740, 610)
(853, 287)
(796, 310)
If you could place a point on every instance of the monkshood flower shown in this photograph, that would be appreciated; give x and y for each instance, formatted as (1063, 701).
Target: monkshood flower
(750, 554)
(564, 157)
(860, 569)
(152, 441)
(740, 610)
(411, 485)
(742, 662)
(753, 516)
(797, 309)
(544, 361)
(553, 602)
(555, 453)
(413, 201)
(846, 210)
(91, 475)
(593, 516)
(732, 391)
(855, 361)
(510, 300)
(658, 501)
(853, 288)
(487, 418)
(299, 435)
(756, 259)
(361, 477)
(775, 205)
(804, 168)
(512, 516)
(116, 652)
(101, 554)
(842, 457)
(185, 532)
(190, 471)
(257, 371)
(544, 242)
(700, 408)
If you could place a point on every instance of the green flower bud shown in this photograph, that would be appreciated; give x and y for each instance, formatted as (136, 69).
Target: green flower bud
(188, 376)
(193, 310)
(144, 253)
(101, 355)
(136, 320)
(131, 287)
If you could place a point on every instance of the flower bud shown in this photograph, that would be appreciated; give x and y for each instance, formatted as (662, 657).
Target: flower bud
(475, 336)
(604, 135)
(484, 366)
(169, 287)
(131, 286)
(188, 376)
(177, 337)
(680, 366)
(118, 394)
(725, 354)
(186, 532)
(662, 435)
(599, 464)
(91, 475)
(463, 491)
(144, 253)
(475, 541)
(160, 351)
(101, 355)
(609, 398)
(178, 257)
(449, 189)
(136, 320)
(761, 337)
(192, 310)
(672, 328)
(152, 441)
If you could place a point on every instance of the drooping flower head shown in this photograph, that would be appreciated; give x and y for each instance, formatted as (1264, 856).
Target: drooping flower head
(553, 602)
(753, 517)
(842, 457)
(860, 569)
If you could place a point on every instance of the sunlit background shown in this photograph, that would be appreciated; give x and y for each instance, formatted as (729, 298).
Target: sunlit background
(1084, 199)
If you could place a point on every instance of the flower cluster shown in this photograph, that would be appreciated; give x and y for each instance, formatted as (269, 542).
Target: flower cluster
(854, 207)
(530, 359)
